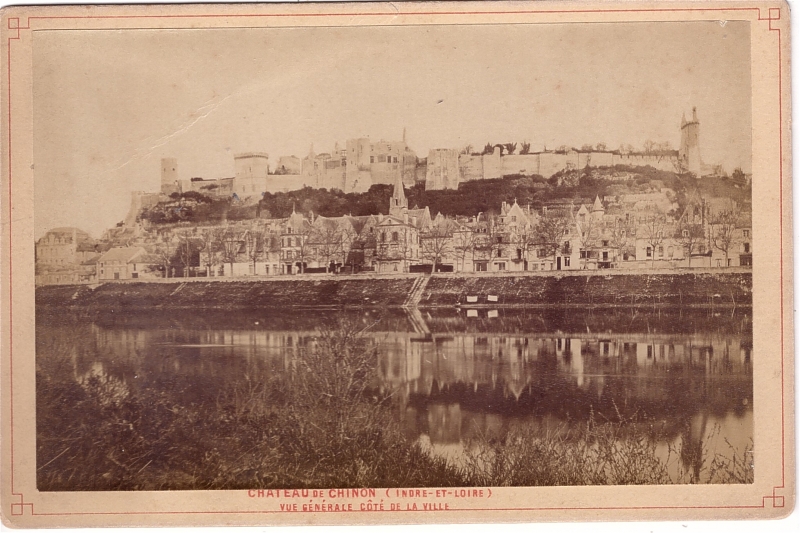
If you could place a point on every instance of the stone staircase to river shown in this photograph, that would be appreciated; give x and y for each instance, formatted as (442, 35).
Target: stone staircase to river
(415, 294)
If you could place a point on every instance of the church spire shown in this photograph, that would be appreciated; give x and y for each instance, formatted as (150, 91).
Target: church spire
(399, 203)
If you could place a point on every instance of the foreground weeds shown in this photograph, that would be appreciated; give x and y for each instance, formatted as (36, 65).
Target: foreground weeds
(619, 452)
(320, 423)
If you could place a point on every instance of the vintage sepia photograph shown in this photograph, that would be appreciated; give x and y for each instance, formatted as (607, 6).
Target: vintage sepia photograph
(337, 264)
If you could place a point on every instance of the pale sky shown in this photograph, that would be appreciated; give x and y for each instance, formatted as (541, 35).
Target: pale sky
(108, 105)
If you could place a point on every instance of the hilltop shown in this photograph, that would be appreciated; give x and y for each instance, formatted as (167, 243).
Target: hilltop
(471, 198)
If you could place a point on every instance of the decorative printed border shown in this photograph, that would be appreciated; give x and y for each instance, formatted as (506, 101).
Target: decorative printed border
(15, 28)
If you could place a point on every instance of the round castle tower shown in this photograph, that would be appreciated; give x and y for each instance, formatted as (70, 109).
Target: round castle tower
(689, 153)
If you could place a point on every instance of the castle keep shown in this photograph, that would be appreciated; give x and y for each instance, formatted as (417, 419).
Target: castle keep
(363, 163)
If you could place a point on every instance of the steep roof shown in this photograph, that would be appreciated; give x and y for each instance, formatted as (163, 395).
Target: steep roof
(123, 254)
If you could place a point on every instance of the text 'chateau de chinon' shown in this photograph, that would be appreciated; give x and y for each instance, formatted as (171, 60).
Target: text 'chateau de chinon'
(376, 207)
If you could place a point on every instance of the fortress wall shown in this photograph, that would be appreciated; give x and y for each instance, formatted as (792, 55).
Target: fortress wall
(358, 181)
(550, 163)
(443, 170)
(286, 182)
(493, 165)
(596, 159)
(471, 167)
(140, 200)
(660, 162)
(385, 173)
(527, 164)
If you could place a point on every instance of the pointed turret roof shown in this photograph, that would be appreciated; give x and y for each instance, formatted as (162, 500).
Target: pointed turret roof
(598, 205)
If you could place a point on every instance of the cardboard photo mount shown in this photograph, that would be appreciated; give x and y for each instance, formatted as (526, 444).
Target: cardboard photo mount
(772, 495)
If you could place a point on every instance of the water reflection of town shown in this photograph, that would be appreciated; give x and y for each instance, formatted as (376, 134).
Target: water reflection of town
(449, 387)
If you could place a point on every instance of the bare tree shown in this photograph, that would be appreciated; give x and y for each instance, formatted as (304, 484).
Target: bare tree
(187, 250)
(328, 241)
(524, 237)
(208, 246)
(230, 245)
(488, 238)
(620, 240)
(653, 233)
(723, 229)
(436, 243)
(463, 243)
(302, 248)
(550, 231)
(588, 234)
(255, 246)
(690, 236)
(166, 254)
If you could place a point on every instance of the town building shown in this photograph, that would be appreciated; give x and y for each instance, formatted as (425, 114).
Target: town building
(123, 263)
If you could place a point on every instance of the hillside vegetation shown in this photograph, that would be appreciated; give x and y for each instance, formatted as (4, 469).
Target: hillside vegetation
(471, 197)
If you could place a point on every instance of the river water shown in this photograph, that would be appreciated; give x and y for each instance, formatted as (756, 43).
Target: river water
(456, 374)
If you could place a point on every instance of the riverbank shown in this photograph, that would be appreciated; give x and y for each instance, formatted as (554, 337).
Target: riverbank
(690, 288)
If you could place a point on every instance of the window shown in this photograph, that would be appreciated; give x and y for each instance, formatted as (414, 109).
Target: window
(685, 233)
(566, 261)
(266, 269)
(480, 267)
(513, 218)
(660, 251)
(395, 266)
(372, 159)
(649, 252)
(747, 247)
(395, 236)
(501, 266)
(746, 233)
